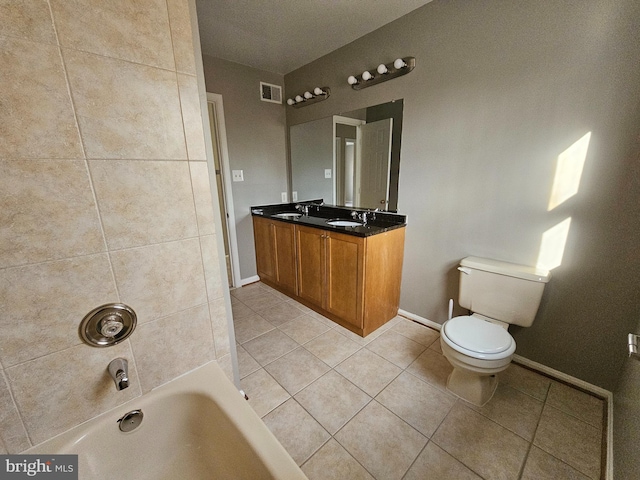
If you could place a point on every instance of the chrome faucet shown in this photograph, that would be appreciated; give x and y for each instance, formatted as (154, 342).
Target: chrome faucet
(119, 370)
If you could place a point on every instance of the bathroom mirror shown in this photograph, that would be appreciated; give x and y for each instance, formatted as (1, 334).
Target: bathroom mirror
(351, 159)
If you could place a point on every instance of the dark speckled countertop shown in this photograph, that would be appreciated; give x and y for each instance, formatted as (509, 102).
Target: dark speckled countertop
(377, 222)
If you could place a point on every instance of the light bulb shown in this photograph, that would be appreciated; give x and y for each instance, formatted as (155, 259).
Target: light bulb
(352, 80)
(366, 75)
(290, 101)
(299, 98)
(382, 69)
(308, 95)
(318, 91)
(399, 63)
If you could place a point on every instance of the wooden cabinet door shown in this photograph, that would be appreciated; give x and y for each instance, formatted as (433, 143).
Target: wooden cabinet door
(264, 237)
(344, 277)
(285, 251)
(310, 249)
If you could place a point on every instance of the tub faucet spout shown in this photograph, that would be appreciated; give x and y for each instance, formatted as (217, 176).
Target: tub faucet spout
(119, 370)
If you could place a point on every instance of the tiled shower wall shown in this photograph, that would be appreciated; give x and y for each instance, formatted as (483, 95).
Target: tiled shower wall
(104, 197)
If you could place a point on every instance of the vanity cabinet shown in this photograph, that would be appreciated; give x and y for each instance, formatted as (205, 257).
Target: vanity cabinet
(353, 280)
(275, 253)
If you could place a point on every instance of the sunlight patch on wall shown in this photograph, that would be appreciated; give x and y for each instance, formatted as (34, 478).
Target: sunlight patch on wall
(552, 245)
(568, 172)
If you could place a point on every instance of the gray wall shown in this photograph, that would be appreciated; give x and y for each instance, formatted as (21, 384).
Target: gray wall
(499, 91)
(256, 142)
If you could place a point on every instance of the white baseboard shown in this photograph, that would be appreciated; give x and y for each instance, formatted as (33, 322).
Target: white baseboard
(419, 319)
(598, 391)
(247, 281)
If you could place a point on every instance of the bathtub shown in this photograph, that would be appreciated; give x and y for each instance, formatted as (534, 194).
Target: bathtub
(197, 426)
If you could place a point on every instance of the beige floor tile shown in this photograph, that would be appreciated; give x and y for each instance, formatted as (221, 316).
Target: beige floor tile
(303, 328)
(396, 348)
(571, 440)
(368, 371)
(542, 466)
(280, 313)
(416, 402)
(433, 368)
(372, 336)
(246, 363)
(526, 381)
(296, 430)
(327, 321)
(416, 332)
(270, 346)
(332, 462)
(248, 291)
(260, 303)
(581, 405)
(240, 310)
(481, 444)
(332, 348)
(332, 400)
(297, 369)
(435, 346)
(433, 463)
(250, 327)
(384, 444)
(264, 392)
(514, 410)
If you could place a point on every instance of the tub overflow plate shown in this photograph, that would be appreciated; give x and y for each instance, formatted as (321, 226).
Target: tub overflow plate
(108, 325)
(131, 420)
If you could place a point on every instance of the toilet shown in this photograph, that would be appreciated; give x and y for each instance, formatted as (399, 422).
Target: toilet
(479, 346)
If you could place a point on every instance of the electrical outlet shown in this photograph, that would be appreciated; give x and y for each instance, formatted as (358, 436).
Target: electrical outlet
(284, 196)
(237, 175)
(327, 173)
(294, 197)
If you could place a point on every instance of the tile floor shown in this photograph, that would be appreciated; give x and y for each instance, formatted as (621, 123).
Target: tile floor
(347, 408)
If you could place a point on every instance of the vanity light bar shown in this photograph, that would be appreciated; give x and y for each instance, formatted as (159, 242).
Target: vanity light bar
(308, 98)
(384, 72)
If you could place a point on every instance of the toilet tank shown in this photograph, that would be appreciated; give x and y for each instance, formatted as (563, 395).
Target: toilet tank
(503, 291)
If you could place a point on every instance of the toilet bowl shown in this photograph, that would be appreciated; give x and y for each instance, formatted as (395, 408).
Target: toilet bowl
(477, 349)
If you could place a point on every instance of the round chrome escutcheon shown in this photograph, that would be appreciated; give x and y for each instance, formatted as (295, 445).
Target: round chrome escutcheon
(108, 325)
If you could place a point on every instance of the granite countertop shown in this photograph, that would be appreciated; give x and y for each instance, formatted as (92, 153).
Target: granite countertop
(319, 214)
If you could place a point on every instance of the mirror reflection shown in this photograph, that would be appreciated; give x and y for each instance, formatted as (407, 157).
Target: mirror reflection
(351, 159)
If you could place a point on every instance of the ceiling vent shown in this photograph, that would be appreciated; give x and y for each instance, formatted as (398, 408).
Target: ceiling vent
(270, 93)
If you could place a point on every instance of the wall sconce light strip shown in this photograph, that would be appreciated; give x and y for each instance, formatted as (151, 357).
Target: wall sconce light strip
(358, 82)
(310, 97)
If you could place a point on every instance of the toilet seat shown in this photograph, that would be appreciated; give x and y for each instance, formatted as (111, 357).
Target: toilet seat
(478, 338)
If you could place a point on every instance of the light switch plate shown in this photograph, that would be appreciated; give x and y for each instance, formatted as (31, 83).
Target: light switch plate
(327, 173)
(237, 175)
(284, 196)
(294, 196)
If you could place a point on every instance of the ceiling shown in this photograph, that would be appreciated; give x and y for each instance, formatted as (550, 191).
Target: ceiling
(284, 35)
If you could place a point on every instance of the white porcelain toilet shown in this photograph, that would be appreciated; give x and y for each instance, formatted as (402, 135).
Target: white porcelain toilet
(478, 346)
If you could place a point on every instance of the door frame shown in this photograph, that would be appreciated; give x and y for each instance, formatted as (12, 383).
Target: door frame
(345, 121)
(223, 152)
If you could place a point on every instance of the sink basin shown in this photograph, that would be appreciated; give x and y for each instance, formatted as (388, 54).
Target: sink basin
(288, 215)
(339, 222)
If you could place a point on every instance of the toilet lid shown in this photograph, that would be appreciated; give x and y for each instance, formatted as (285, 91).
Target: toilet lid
(477, 335)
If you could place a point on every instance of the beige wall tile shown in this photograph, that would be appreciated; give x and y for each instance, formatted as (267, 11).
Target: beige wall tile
(192, 117)
(220, 326)
(144, 202)
(226, 365)
(13, 436)
(125, 110)
(47, 211)
(27, 19)
(202, 197)
(172, 345)
(36, 115)
(43, 305)
(159, 280)
(135, 31)
(61, 390)
(211, 264)
(181, 34)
